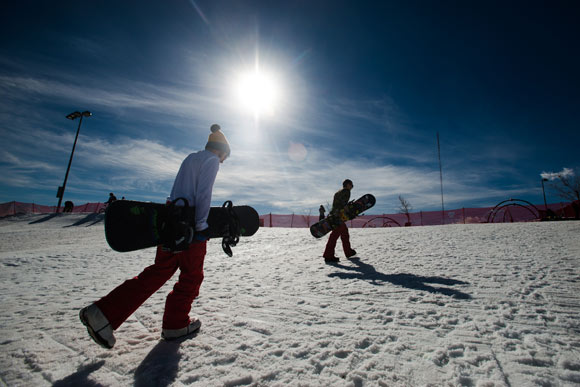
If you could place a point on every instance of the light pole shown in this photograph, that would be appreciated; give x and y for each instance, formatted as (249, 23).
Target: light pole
(544, 192)
(72, 116)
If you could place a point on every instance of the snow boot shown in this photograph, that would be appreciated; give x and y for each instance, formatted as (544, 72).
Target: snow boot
(351, 253)
(331, 259)
(174, 334)
(98, 326)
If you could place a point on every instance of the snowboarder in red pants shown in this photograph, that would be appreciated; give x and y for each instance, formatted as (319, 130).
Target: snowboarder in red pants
(340, 201)
(194, 182)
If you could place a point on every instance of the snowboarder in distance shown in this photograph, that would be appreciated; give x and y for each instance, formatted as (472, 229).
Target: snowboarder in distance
(112, 198)
(68, 206)
(321, 212)
(194, 182)
(340, 201)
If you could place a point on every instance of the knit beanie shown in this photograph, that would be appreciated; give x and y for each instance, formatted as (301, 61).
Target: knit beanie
(217, 140)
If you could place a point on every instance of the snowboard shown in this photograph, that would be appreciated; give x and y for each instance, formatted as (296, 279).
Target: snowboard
(133, 225)
(335, 219)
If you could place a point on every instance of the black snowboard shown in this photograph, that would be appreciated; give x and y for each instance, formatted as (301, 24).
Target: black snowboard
(132, 225)
(335, 219)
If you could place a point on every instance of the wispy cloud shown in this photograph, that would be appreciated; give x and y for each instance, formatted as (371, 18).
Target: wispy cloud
(383, 114)
(125, 95)
(139, 156)
(566, 172)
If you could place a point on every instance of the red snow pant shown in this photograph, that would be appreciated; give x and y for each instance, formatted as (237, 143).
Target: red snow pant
(342, 232)
(119, 304)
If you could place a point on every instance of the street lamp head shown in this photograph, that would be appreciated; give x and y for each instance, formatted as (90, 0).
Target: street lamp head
(78, 114)
(74, 115)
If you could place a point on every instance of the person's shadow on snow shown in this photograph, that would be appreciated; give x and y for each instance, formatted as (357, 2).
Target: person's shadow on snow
(160, 366)
(81, 377)
(46, 218)
(92, 219)
(367, 272)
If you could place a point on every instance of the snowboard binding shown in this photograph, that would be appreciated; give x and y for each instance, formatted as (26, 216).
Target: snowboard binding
(177, 233)
(232, 234)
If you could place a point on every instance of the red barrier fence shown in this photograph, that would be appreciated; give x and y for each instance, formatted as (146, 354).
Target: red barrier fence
(17, 208)
(508, 212)
(513, 213)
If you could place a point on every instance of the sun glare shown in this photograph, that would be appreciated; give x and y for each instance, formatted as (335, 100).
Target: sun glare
(257, 93)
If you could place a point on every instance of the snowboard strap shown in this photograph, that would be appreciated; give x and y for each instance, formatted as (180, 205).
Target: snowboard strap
(177, 232)
(232, 235)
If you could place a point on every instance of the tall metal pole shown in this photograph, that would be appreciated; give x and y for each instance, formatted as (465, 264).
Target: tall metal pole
(544, 192)
(60, 192)
(441, 180)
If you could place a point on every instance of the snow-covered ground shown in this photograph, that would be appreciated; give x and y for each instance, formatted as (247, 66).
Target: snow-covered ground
(470, 305)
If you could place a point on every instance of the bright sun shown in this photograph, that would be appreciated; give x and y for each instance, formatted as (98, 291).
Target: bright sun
(257, 93)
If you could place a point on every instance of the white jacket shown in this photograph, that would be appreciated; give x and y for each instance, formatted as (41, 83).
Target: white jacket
(194, 182)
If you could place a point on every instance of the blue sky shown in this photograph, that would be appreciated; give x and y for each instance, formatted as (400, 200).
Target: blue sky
(362, 88)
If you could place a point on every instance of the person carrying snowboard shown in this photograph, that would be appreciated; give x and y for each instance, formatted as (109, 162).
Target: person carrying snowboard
(340, 201)
(112, 198)
(194, 182)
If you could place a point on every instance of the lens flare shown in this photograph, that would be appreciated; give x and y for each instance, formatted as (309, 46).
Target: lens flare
(297, 152)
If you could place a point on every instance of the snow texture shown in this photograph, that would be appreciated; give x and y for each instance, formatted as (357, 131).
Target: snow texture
(470, 305)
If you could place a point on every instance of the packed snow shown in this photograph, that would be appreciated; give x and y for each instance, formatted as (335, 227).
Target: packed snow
(471, 305)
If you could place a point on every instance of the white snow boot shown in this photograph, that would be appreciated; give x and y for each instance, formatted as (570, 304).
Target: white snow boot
(173, 334)
(98, 326)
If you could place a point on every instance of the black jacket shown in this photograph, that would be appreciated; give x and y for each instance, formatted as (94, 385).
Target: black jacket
(340, 200)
